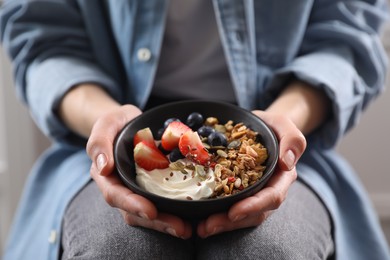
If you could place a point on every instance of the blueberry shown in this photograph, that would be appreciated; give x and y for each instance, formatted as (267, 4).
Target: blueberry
(217, 139)
(162, 149)
(205, 131)
(160, 133)
(175, 155)
(170, 120)
(195, 120)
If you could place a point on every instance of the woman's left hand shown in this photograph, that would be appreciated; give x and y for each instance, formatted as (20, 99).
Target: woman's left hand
(253, 210)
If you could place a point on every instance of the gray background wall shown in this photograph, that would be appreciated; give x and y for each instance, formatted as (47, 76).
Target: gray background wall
(366, 147)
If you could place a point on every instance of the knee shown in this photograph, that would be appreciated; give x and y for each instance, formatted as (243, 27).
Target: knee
(248, 244)
(128, 243)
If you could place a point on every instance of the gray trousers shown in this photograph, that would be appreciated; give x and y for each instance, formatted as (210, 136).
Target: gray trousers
(300, 229)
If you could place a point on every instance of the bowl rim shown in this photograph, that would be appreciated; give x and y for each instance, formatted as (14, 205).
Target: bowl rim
(138, 190)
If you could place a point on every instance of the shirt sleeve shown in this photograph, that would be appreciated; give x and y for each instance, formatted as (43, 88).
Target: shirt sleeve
(50, 52)
(342, 54)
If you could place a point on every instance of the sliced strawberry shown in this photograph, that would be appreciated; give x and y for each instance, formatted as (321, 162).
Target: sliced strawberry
(191, 147)
(144, 135)
(149, 157)
(172, 133)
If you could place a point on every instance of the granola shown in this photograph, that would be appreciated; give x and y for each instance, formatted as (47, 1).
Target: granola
(241, 163)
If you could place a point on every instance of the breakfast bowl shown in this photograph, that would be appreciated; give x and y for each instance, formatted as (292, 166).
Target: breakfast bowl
(154, 120)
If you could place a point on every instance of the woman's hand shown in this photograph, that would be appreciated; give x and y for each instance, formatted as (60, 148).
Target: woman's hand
(298, 111)
(136, 210)
(253, 210)
(90, 112)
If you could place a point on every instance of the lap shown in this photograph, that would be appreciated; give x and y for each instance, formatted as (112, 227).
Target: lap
(94, 230)
(299, 229)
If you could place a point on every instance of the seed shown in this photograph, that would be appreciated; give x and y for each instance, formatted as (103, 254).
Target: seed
(237, 183)
(176, 166)
(217, 170)
(190, 167)
(199, 169)
(220, 128)
(222, 153)
(234, 144)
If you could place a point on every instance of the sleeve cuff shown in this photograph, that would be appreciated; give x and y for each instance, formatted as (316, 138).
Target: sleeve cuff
(48, 82)
(331, 71)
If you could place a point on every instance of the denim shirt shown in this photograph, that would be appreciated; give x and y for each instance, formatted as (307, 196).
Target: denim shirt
(332, 45)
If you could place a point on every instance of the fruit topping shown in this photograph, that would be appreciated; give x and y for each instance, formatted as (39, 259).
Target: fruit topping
(160, 132)
(195, 120)
(217, 139)
(149, 157)
(205, 131)
(170, 120)
(172, 134)
(192, 148)
(175, 155)
(162, 149)
(144, 135)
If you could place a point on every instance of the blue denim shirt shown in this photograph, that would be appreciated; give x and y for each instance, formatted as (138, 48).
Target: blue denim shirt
(333, 45)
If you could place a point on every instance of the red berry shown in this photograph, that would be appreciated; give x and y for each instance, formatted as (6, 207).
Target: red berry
(144, 135)
(149, 157)
(172, 134)
(192, 147)
(231, 179)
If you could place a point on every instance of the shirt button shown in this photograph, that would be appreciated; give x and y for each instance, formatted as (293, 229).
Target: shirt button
(52, 237)
(144, 54)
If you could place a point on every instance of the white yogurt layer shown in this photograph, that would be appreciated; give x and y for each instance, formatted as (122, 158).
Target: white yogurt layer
(176, 184)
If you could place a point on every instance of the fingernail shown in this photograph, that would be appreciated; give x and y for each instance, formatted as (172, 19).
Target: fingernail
(239, 217)
(171, 231)
(289, 159)
(143, 215)
(216, 230)
(101, 162)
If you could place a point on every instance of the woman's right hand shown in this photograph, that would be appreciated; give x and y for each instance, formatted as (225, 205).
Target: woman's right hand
(136, 210)
(91, 112)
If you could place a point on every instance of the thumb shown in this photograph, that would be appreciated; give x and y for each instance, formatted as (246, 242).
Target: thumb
(101, 141)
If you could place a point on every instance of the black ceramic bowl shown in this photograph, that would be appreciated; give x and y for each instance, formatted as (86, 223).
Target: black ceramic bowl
(154, 119)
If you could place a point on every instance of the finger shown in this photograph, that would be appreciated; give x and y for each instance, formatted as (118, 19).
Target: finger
(220, 223)
(137, 210)
(119, 196)
(176, 226)
(292, 143)
(164, 223)
(103, 134)
(269, 198)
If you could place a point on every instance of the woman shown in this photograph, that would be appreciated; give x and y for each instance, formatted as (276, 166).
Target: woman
(85, 68)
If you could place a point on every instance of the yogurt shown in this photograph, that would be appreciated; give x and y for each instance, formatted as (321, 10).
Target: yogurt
(176, 184)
